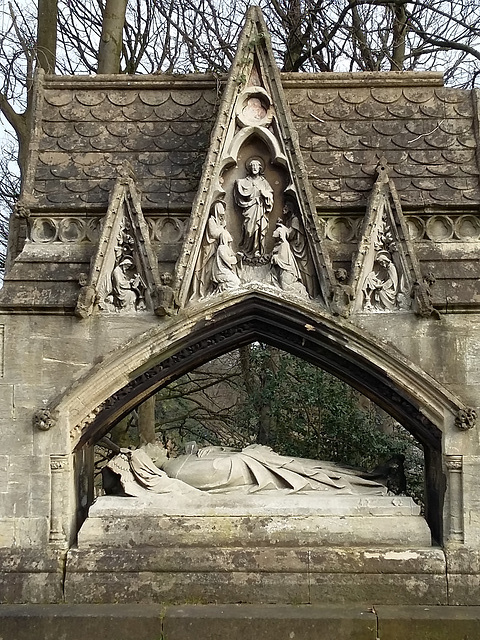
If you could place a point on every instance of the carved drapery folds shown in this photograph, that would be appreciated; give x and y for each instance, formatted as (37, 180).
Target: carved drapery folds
(253, 220)
(386, 268)
(124, 275)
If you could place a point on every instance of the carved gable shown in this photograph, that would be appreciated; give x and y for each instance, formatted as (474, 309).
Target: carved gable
(253, 220)
(124, 273)
(386, 267)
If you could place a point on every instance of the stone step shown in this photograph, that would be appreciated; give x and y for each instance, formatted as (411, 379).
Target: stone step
(237, 622)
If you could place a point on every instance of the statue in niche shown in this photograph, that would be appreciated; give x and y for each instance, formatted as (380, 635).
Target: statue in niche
(224, 266)
(202, 280)
(380, 287)
(214, 469)
(286, 272)
(298, 244)
(128, 287)
(254, 195)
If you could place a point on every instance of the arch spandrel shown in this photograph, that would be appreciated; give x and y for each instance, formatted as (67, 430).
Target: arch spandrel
(132, 373)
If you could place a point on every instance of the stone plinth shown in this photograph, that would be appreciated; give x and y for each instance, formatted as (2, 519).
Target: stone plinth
(264, 520)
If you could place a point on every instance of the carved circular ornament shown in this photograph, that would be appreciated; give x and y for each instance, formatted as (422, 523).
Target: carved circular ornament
(254, 108)
(43, 419)
(466, 419)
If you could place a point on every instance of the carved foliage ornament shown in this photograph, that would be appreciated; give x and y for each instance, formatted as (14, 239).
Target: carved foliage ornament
(466, 419)
(44, 419)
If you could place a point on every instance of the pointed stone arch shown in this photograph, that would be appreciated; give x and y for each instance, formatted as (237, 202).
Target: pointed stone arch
(127, 377)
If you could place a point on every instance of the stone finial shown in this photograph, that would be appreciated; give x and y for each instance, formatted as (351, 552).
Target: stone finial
(466, 418)
(43, 419)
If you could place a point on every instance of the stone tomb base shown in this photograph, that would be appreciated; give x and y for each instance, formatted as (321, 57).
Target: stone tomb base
(177, 550)
(238, 520)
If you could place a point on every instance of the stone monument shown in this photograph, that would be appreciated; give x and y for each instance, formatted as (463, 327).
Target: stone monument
(161, 225)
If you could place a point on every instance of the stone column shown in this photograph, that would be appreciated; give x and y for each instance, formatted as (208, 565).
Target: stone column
(58, 466)
(455, 493)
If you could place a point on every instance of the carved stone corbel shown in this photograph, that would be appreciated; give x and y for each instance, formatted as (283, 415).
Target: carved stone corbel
(466, 418)
(44, 419)
(455, 491)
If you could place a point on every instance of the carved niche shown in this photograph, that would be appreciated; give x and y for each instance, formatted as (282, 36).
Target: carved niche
(386, 267)
(253, 222)
(124, 274)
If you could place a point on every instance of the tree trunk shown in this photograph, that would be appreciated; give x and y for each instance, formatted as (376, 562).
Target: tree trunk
(47, 34)
(400, 28)
(146, 421)
(110, 50)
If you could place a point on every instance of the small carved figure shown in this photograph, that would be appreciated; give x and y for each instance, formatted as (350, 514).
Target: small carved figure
(466, 419)
(342, 294)
(224, 267)
(380, 287)
(127, 290)
(298, 244)
(422, 297)
(43, 419)
(86, 298)
(202, 280)
(286, 272)
(165, 297)
(254, 195)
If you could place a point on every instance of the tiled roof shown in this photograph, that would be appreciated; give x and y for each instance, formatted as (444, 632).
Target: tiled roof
(425, 132)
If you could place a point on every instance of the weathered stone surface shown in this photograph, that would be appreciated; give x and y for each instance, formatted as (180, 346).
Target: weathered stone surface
(79, 622)
(30, 575)
(281, 623)
(428, 623)
(256, 575)
(303, 520)
(179, 587)
(387, 588)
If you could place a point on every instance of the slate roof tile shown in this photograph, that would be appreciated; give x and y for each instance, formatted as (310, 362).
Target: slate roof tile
(425, 133)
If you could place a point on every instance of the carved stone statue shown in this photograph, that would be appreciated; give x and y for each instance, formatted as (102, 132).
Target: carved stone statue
(254, 195)
(86, 298)
(422, 296)
(254, 469)
(380, 287)
(342, 294)
(202, 280)
(127, 287)
(285, 267)
(164, 298)
(224, 266)
(298, 245)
